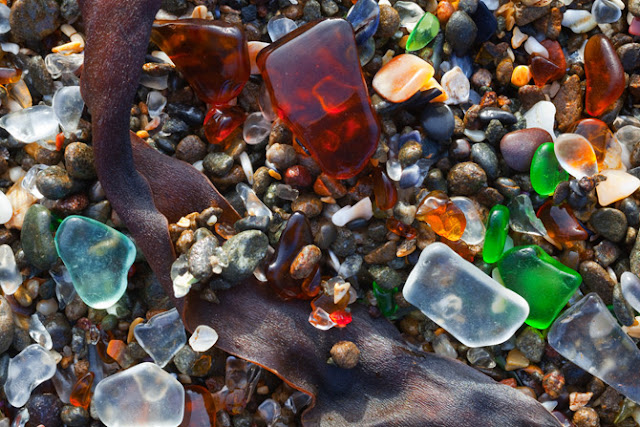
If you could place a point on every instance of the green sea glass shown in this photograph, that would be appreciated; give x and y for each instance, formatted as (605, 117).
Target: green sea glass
(97, 257)
(386, 301)
(496, 235)
(546, 172)
(546, 284)
(425, 31)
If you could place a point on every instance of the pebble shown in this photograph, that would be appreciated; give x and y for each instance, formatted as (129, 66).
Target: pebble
(466, 179)
(579, 21)
(586, 417)
(45, 409)
(305, 262)
(494, 113)
(37, 239)
(542, 115)
(629, 56)
(610, 223)
(199, 258)
(597, 279)
(78, 160)
(59, 329)
(518, 147)
(622, 309)
(218, 164)
(382, 254)
(402, 77)
(460, 32)
(617, 185)
(74, 416)
(437, 121)
(54, 183)
(203, 338)
(456, 85)
(281, 156)
(486, 158)
(516, 360)
(345, 243)
(33, 20)
(191, 363)
(409, 153)
(245, 251)
(308, 204)
(389, 21)
(6, 325)
(531, 344)
(191, 149)
(345, 354)
(385, 276)
(568, 103)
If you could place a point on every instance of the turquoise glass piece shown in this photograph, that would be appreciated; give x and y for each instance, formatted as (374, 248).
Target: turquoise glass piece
(97, 257)
(546, 284)
(426, 30)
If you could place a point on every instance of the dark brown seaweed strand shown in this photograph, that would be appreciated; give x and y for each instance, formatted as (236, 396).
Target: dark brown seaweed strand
(391, 386)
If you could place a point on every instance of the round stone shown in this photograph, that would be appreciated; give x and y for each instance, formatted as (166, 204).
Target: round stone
(245, 251)
(6, 325)
(191, 149)
(54, 183)
(33, 20)
(610, 223)
(460, 32)
(78, 160)
(37, 239)
(466, 179)
(437, 121)
(518, 147)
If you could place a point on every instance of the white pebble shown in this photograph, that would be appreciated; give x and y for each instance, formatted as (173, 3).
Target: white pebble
(579, 21)
(362, 209)
(203, 338)
(533, 46)
(6, 210)
(247, 167)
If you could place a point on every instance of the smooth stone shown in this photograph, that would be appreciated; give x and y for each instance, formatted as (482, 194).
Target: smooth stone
(630, 285)
(74, 416)
(609, 223)
(10, 277)
(485, 21)
(575, 154)
(362, 209)
(437, 121)
(45, 409)
(142, 396)
(546, 284)
(37, 239)
(579, 21)
(474, 231)
(483, 155)
(199, 258)
(365, 18)
(523, 218)
(589, 336)
(456, 85)
(605, 12)
(203, 338)
(6, 210)
(621, 308)
(78, 160)
(33, 20)
(542, 115)
(54, 183)
(59, 330)
(97, 257)
(28, 369)
(518, 147)
(6, 325)
(493, 113)
(459, 297)
(402, 77)
(460, 32)
(162, 336)
(617, 186)
(245, 251)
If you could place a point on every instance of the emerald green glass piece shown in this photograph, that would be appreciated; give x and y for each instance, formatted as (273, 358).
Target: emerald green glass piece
(546, 172)
(386, 301)
(97, 257)
(496, 235)
(425, 31)
(545, 283)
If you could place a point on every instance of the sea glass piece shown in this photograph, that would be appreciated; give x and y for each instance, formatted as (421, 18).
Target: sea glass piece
(576, 155)
(588, 335)
(295, 236)
(211, 55)
(254, 48)
(402, 229)
(156, 102)
(58, 64)
(241, 378)
(252, 202)
(363, 209)
(199, 408)
(325, 101)
(551, 68)
(445, 218)
(365, 18)
(630, 285)
(634, 26)
(561, 223)
(256, 128)
(220, 122)
(5, 25)
(605, 11)
(162, 337)
(410, 13)
(546, 172)
(606, 147)
(278, 27)
(523, 218)
(143, 396)
(203, 338)
(496, 235)
(67, 106)
(339, 314)
(542, 115)
(97, 257)
(459, 297)
(425, 31)
(10, 277)
(81, 392)
(604, 73)
(402, 77)
(384, 190)
(386, 302)
(545, 283)
(617, 185)
(456, 85)
(474, 231)
(31, 124)
(39, 333)
(28, 369)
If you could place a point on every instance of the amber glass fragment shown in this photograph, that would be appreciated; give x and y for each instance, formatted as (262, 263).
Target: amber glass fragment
(199, 407)
(211, 55)
(605, 76)
(338, 313)
(460, 247)
(562, 226)
(444, 217)
(401, 229)
(316, 86)
(295, 236)
(81, 392)
(601, 138)
(546, 70)
(9, 75)
(384, 190)
(220, 122)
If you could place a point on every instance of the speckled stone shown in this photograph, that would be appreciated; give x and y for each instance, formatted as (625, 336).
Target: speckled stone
(54, 183)
(191, 149)
(33, 20)
(245, 251)
(610, 223)
(6, 325)
(386, 277)
(44, 409)
(597, 279)
(78, 160)
(466, 179)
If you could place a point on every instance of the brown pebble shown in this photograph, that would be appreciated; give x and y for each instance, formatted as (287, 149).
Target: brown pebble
(466, 179)
(516, 360)
(184, 241)
(305, 262)
(308, 204)
(530, 95)
(298, 177)
(553, 383)
(191, 149)
(389, 21)
(482, 77)
(382, 254)
(504, 71)
(345, 354)
(586, 417)
(281, 156)
(568, 103)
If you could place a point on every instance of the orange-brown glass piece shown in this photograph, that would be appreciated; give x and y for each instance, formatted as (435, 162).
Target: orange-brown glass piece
(81, 391)
(199, 407)
(560, 222)
(220, 122)
(316, 86)
(605, 76)
(385, 192)
(459, 247)
(211, 55)
(444, 217)
(9, 75)
(599, 135)
(337, 312)
(401, 229)
(546, 70)
(296, 235)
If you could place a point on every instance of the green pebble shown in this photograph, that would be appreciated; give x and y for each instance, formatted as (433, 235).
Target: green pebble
(386, 301)
(109, 322)
(546, 172)
(37, 239)
(496, 235)
(545, 283)
(425, 31)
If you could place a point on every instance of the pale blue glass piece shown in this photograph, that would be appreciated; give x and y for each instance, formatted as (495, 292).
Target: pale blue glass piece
(605, 11)
(366, 51)
(30, 368)
(162, 337)
(97, 257)
(464, 62)
(412, 176)
(280, 27)
(364, 17)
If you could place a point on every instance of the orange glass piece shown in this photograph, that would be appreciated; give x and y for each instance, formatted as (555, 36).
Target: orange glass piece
(444, 217)
(402, 77)
(520, 76)
(81, 391)
(296, 235)
(560, 222)
(337, 312)
(605, 75)
(199, 407)
(220, 122)
(459, 247)
(546, 70)
(607, 149)
(384, 190)
(401, 229)
(211, 55)
(9, 75)
(316, 86)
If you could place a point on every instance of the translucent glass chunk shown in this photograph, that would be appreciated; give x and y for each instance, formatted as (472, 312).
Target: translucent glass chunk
(474, 230)
(10, 277)
(30, 368)
(29, 181)
(155, 103)
(523, 218)
(252, 202)
(280, 27)
(630, 285)
(58, 64)
(162, 337)
(39, 333)
(5, 26)
(67, 106)
(256, 128)
(31, 124)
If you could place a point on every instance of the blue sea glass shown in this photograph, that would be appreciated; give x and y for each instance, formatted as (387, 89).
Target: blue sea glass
(364, 17)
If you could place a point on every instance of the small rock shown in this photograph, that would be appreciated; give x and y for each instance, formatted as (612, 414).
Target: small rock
(191, 149)
(78, 160)
(629, 56)
(481, 78)
(191, 363)
(60, 330)
(586, 417)
(389, 22)
(410, 153)
(622, 309)
(568, 103)
(610, 223)
(345, 354)
(344, 243)
(6, 325)
(385, 276)
(518, 147)
(218, 164)
(199, 258)
(33, 20)
(484, 156)
(37, 239)
(45, 409)
(305, 262)
(382, 254)
(245, 251)
(54, 183)
(466, 179)
(531, 344)
(281, 156)
(308, 204)
(437, 121)
(516, 360)
(312, 11)
(74, 416)
(596, 279)
(530, 95)
(460, 32)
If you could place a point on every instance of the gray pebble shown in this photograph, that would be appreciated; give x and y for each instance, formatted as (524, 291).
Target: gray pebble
(460, 32)
(606, 253)
(199, 254)
(252, 223)
(33, 20)
(610, 223)
(531, 344)
(44, 409)
(245, 251)
(74, 416)
(60, 330)
(345, 243)
(281, 156)
(596, 279)
(386, 277)
(623, 311)
(325, 235)
(484, 156)
(185, 360)
(54, 183)
(6, 325)
(437, 121)
(329, 7)
(311, 11)
(4, 368)
(218, 164)
(466, 179)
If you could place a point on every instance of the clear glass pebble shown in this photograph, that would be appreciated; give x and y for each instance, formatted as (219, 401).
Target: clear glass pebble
(280, 27)
(459, 297)
(350, 266)
(630, 284)
(39, 333)
(256, 128)
(628, 136)
(31, 124)
(269, 412)
(474, 230)
(523, 218)
(155, 103)
(542, 115)
(142, 396)
(10, 277)
(481, 357)
(58, 64)
(162, 337)
(203, 338)
(5, 26)
(588, 335)
(65, 292)
(67, 106)
(252, 202)
(29, 181)
(181, 277)
(27, 370)
(442, 346)
(606, 11)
